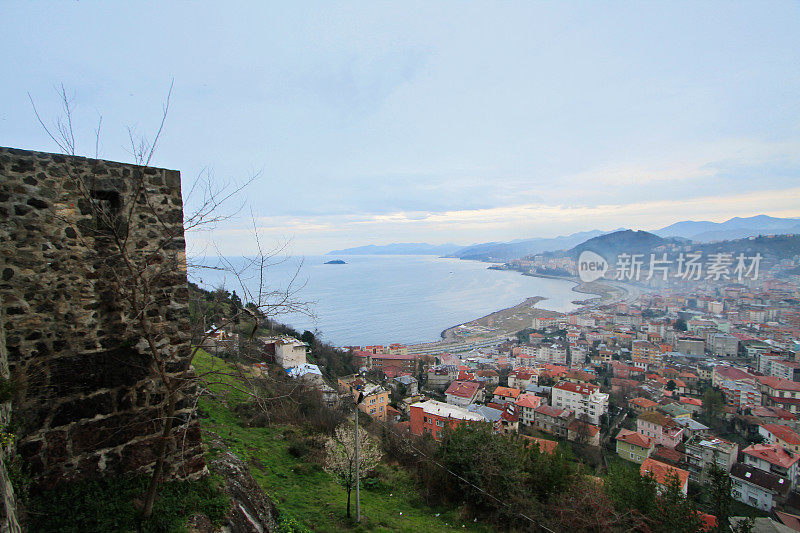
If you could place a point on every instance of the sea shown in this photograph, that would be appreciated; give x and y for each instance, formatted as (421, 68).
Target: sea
(383, 299)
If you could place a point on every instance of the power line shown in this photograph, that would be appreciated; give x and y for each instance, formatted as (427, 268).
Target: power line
(480, 489)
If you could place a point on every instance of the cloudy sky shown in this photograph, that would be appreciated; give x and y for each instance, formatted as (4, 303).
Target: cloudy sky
(378, 122)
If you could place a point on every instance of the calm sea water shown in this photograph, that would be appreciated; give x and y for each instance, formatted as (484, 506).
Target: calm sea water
(405, 299)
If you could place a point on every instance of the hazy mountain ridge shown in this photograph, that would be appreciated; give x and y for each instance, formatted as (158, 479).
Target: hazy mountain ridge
(699, 231)
(405, 248)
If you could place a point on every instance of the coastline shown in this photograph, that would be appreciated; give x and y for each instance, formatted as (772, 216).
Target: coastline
(506, 322)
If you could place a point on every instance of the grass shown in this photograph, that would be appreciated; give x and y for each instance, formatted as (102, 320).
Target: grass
(306, 493)
(108, 505)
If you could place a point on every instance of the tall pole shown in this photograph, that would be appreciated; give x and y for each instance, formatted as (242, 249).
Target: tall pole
(358, 499)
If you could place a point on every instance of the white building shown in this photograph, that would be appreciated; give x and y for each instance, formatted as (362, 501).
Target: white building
(287, 351)
(582, 398)
(757, 488)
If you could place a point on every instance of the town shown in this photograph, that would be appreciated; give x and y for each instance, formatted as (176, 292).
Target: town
(669, 382)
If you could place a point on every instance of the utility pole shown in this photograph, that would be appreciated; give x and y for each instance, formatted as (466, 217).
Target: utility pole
(358, 494)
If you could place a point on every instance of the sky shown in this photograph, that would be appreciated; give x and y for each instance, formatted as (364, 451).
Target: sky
(464, 122)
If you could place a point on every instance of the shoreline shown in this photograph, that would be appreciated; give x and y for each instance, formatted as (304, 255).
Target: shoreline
(605, 292)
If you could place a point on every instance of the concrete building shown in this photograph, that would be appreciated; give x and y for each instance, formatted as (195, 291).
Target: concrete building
(773, 459)
(462, 393)
(431, 417)
(757, 488)
(702, 451)
(286, 351)
(583, 399)
(724, 345)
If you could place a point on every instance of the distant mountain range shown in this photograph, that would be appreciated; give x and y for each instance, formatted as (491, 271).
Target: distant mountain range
(404, 248)
(698, 231)
(735, 228)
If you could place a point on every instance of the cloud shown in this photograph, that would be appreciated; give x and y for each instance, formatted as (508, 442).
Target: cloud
(316, 234)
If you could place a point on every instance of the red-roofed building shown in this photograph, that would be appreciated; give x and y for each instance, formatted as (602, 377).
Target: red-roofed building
(641, 405)
(583, 433)
(506, 394)
(522, 377)
(462, 393)
(528, 404)
(634, 446)
(661, 472)
(553, 420)
(774, 459)
(780, 392)
(781, 435)
(669, 456)
(544, 445)
(693, 404)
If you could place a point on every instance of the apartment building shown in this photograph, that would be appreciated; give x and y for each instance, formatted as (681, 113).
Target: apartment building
(582, 398)
(702, 451)
(773, 459)
(431, 417)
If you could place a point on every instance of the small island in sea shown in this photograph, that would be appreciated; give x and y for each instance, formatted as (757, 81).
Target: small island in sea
(335, 262)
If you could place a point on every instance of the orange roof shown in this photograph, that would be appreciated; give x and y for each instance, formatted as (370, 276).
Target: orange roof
(784, 433)
(530, 401)
(592, 430)
(643, 403)
(779, 383)
(545, 446)
(661, 471)
(581, 388)
(772, 454)
(632, 437)
(507, 392)
(691, 401)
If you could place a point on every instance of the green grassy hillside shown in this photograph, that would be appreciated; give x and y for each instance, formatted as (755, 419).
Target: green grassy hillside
(306, 495)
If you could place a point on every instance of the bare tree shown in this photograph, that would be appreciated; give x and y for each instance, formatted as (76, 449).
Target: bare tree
(340, 458)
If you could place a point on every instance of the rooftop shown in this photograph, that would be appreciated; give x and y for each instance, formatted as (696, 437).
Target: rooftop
(771, 453)
(632, 437)
(784, 433)
(662, 471)
(432, 407)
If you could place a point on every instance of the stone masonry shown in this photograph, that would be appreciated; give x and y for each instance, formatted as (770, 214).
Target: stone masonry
(87, 400)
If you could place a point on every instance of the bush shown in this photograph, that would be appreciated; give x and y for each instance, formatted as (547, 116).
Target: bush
(108, 505)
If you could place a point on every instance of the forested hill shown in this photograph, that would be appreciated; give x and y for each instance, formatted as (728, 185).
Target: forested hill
(218, 306)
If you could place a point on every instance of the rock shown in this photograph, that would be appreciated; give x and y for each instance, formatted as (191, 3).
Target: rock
(252, 511)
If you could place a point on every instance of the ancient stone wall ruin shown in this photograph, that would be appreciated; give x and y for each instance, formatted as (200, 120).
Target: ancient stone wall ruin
(87, 401)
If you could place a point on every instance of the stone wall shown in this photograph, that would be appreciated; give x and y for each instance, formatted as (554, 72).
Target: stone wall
(88, 402)
(8, 506)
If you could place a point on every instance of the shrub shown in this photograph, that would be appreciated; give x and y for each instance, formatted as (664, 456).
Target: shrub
(108, 505)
